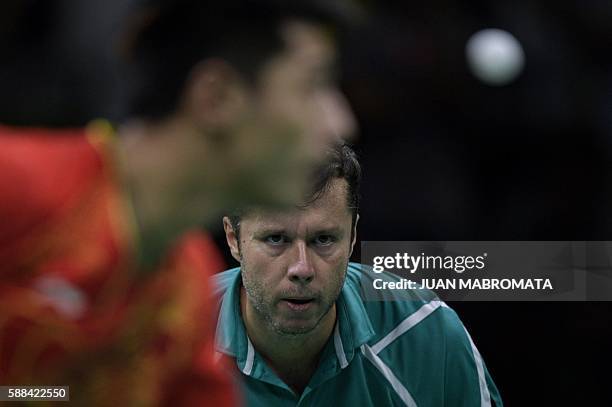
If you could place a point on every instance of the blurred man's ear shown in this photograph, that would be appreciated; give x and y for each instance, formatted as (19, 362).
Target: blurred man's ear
(232, 239)
(354, 234)
(215, 94)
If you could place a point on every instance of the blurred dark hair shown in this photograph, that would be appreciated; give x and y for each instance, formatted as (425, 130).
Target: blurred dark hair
(59, 64)
(340, 162)
(172, 36)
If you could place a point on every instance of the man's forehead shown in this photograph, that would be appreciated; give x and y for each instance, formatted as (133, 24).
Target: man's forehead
(309, 45)
(308, 37)
(330, 208)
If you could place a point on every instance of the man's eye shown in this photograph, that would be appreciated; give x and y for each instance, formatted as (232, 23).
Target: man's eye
(275, 239)
(324, 240)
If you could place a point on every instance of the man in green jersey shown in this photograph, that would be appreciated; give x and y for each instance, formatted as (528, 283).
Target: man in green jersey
(293, 318)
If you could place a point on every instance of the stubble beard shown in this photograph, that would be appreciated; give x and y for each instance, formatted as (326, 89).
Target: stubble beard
(255, 291)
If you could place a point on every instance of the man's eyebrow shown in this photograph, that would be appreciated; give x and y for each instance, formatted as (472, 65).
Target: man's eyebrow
(332, 230)
(271, 230)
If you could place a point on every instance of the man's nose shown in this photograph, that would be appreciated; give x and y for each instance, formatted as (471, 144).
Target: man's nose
(337, 117)
(301, 269)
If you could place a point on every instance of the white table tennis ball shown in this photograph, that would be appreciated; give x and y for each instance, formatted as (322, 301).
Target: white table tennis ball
(495, 56)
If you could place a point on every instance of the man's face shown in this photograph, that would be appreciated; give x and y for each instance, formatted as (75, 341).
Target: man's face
(299, 85)
(294, 263)
(293, 112)
(245, 143)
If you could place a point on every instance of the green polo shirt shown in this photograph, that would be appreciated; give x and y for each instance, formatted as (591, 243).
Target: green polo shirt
(382, 353)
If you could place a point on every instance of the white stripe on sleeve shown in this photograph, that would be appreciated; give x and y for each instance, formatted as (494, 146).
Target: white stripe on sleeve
(407, 324)
(399, 388)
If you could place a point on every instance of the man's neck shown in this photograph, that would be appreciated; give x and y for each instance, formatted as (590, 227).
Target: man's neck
(293, 358)
(145, 160)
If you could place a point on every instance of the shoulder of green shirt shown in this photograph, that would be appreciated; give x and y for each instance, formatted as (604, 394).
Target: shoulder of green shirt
(409, 321)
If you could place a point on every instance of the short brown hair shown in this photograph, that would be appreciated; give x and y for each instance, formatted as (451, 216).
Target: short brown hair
(340, 162)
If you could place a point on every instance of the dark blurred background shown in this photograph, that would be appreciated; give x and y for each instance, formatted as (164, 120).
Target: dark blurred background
(58, 61)
(449, 157)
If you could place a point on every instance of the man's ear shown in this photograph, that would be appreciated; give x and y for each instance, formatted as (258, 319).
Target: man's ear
(232, 239)
(215, 94)
(354, 235)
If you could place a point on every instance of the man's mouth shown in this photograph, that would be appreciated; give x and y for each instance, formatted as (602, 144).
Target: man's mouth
(299, 300)
(298, 304)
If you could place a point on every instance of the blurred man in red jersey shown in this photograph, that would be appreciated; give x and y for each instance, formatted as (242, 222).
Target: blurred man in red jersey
(91, 294)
